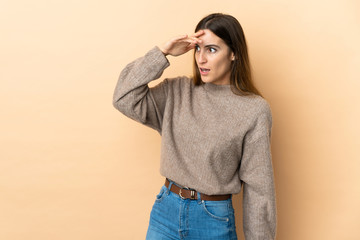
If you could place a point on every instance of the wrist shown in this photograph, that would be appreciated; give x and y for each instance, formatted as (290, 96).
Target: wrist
(163, 51)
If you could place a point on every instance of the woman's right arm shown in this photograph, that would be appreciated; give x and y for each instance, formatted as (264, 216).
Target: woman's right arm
(133, 97)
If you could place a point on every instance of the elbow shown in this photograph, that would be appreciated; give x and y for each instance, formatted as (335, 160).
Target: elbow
(120, 100)
(124, 106)
(118, 104)
(115, 104)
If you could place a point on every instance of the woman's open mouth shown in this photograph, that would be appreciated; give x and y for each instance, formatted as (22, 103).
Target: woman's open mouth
(204, 71)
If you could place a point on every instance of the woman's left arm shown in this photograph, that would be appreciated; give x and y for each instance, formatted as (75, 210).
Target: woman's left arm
(256, 174)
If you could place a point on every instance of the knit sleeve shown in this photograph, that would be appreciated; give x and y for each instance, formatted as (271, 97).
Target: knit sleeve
(134, 98)
(256, 175)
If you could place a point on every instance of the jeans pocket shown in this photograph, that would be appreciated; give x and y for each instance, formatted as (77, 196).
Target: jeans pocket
(161, 194)
(219, 210)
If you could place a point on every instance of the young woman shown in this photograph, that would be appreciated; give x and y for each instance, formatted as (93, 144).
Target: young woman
(215, 130)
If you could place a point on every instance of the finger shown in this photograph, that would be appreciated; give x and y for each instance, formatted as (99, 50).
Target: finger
(196, 36)
(195, 40)
(199, 33)
(190, 46)
(192, 41)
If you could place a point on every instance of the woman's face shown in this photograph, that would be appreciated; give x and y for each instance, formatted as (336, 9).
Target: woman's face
(213, 58)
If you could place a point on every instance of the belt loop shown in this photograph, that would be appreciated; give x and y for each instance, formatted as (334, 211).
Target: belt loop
(198, 197)
(169, 187)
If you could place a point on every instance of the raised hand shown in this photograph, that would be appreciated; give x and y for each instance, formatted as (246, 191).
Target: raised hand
(181, 44)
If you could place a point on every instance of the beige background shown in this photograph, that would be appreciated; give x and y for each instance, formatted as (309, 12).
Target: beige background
(72, 167)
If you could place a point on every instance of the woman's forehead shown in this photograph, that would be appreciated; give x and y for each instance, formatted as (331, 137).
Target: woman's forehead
(209, 38)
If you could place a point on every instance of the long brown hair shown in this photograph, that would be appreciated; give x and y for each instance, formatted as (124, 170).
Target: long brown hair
(230, 31)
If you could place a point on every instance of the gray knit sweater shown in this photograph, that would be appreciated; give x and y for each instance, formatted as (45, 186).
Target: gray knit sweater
(212, 140)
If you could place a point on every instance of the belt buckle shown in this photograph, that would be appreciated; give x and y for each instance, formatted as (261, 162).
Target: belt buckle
(192, 194)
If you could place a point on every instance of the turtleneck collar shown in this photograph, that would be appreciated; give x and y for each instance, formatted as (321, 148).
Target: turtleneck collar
(218, 89)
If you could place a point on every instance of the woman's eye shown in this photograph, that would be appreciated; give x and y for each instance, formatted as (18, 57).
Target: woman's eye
(212, 50)
(197, 48)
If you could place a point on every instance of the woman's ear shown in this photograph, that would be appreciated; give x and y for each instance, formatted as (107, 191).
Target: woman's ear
(232, 56)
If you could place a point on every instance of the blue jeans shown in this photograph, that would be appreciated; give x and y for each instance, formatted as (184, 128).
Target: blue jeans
(176, 218)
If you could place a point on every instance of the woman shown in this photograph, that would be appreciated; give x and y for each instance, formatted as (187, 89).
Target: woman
(215, 132)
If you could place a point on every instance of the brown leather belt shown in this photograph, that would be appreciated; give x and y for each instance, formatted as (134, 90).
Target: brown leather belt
(186, 193)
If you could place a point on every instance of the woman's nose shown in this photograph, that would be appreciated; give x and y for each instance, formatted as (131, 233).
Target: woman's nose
(201, 57)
